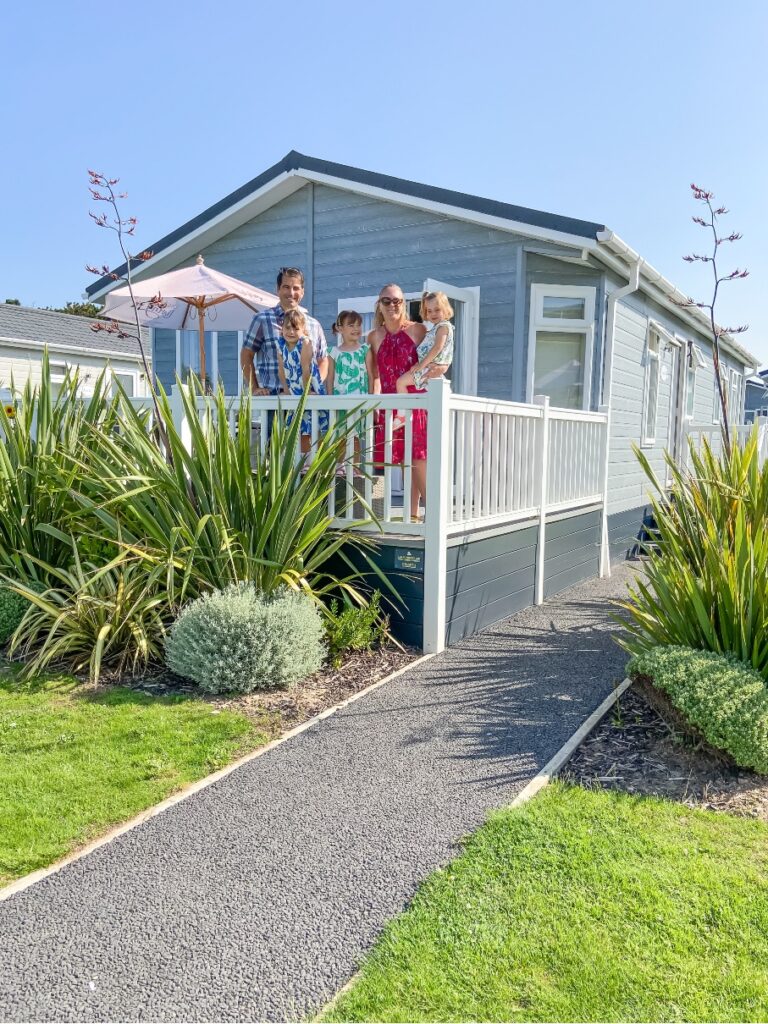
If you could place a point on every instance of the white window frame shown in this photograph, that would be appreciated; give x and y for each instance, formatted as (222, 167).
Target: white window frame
(717, 413)
(694, 360)
(736, 403)
(133, 374)
(585, 326)
(465, 381)
(715, 399)
(652, 367)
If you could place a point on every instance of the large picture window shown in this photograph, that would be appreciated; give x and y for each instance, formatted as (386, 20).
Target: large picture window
(560, 344)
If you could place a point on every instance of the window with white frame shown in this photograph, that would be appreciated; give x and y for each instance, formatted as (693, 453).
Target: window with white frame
(651, 389)
(127, 380)
(560, 344)
(717, 412)
(690, 389)
(737, 395)
(694, 361)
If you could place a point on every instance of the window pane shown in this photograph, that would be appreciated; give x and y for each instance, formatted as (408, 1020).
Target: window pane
(190, 353)
(126, 379)
(652, 401)
(690, 385)
(559, 368)
(557, 307)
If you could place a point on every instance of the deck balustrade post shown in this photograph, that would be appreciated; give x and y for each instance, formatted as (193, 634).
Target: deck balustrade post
(762, 439)
(605, 547)
(179, 414)
(542, 461)
(439, 488)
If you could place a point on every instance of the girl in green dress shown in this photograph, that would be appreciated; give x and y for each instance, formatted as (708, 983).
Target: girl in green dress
(351, 369)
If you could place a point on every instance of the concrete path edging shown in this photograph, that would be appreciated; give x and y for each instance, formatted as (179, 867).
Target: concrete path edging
(537, 783)
(20, 884)
(259, 896)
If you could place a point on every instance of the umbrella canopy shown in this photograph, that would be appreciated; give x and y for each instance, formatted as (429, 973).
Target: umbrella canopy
(191, 297)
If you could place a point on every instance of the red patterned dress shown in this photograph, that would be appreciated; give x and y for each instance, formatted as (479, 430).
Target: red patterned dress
(397, 353)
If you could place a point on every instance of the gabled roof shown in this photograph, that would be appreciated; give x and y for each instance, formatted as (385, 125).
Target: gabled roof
(310, 168)
(296, 170)
(45, 327)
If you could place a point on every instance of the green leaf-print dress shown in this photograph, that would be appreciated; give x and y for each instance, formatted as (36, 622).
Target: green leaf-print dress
(350, 375)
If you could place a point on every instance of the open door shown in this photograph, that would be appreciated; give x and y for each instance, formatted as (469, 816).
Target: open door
(466, 305)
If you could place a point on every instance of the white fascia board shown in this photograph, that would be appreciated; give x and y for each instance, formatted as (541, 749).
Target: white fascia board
(457, 212)
(54, 346)
(228, 220)
(671, 295)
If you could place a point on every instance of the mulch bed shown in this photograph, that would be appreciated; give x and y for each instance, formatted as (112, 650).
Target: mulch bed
(637, 750)
(280, 710)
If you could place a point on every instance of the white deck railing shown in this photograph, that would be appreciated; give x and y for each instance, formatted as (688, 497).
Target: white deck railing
(695, 433)
(490, 463)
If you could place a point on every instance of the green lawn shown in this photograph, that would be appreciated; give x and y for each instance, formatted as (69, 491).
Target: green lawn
(74, 761)
(582, 906)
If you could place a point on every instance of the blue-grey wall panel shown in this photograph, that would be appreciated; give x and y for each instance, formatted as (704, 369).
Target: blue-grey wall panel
(479, 618)
(624, 529)
(487, 579)
(572, 551)
(229, 361)
(571, 576)
(164, 366)
(479, 550)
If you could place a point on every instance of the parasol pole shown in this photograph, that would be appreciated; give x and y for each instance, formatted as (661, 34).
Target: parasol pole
(201, 324)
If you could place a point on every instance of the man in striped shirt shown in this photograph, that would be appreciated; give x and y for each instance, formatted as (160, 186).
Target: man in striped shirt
(258, 356)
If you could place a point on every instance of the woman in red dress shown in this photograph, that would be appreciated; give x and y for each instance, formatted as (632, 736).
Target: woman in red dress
(394, 340)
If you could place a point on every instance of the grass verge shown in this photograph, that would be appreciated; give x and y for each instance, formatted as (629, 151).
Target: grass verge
(582, 906)
(75, 761)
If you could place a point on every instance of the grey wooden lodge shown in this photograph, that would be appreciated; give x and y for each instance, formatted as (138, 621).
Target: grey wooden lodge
(545, 305)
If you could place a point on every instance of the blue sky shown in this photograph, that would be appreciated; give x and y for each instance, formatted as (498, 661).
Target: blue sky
(593, 109)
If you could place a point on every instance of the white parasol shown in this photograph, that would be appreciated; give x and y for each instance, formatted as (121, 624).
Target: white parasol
(181, 298)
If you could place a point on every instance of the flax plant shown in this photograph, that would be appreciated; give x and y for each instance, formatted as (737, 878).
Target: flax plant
(706, 580)
(114, 615)
(217, 512)
(37, 474)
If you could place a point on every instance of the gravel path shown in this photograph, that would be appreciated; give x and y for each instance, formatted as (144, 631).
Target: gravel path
(256, 898)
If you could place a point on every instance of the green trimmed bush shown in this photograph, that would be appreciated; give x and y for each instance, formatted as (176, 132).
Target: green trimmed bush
(12, 608)
(356, 628)
(724, 699)
(239, 640)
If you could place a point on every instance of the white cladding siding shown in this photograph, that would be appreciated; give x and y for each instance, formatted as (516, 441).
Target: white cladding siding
(23, 364)
(627, 487)
(627, 482)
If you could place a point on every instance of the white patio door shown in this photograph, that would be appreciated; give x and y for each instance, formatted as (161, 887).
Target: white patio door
(466, 306)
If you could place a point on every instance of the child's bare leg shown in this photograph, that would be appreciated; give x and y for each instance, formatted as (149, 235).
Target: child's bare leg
(404, 382)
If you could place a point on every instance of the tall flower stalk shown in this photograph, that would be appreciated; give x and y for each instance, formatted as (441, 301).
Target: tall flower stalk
(710, 223)
(102, 190)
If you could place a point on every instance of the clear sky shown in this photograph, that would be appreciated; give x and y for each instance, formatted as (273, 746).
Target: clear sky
(600, 110)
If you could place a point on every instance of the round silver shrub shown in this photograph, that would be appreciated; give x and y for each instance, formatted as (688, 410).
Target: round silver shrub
(239, 640)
